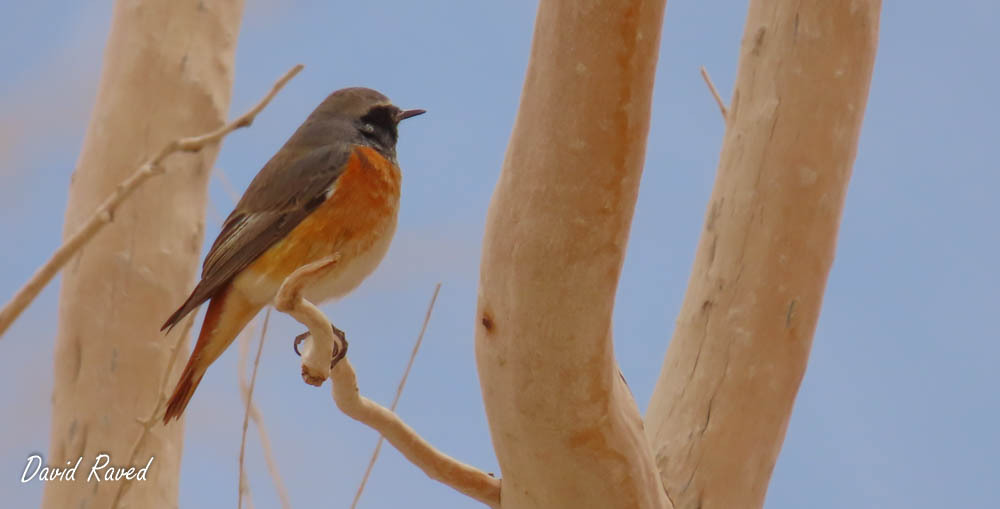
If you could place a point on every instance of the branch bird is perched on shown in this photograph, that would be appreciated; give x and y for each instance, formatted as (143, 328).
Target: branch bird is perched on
(332, 190)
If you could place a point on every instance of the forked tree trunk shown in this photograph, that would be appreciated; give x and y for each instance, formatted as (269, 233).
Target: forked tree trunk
(721, 406)
(565, 428)
(168, 71)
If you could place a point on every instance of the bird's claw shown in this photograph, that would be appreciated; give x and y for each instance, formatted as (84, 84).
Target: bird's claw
(299, 339)
(339, 347)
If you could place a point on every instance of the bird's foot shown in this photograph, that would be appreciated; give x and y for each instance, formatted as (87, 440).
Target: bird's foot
(298, 340)
(339, 347)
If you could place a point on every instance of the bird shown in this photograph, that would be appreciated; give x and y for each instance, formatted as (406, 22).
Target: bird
(332, 190)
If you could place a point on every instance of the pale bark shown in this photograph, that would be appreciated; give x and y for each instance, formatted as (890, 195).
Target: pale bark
(168, 69)
(721, 406)
(565, 428)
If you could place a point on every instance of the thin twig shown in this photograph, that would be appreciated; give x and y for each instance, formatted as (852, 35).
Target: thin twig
(399, 392)
(246, 490)
(150, 421)
(244, 338)
(272, 465)
(715, 93)
(105, 212)
(258, 418)
(255, 414)
(227, 185)
(214, 214)
(249, 398)
(465, 479)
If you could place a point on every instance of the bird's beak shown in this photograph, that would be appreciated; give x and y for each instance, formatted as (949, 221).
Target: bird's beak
(405, 114)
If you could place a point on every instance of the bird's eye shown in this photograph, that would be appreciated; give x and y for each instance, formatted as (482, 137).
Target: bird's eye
(379, 125)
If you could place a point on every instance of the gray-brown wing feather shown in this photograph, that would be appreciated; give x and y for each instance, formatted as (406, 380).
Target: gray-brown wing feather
(277, 200)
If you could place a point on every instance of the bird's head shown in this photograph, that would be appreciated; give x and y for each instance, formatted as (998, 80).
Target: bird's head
(370, 114)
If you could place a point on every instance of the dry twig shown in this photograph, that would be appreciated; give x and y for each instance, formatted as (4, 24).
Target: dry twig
(316, 355)
(227, 185)
(258, 418)
(246, 415)
(105, 212)
(399, 392)
(715, 93)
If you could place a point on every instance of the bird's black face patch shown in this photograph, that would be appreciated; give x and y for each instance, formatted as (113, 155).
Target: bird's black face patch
(379, 126)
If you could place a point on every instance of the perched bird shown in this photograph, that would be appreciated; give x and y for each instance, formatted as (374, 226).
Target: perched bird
(332, 189)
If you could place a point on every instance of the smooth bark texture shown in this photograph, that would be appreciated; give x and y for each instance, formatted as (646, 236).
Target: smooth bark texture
(168, 70)
(721, 406)
(565, 428)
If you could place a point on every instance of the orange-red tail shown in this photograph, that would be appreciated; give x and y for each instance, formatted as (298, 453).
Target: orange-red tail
(182, 393)
(228, 312)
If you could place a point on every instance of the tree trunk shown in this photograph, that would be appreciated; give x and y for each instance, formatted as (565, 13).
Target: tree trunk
(565, 428)
(168, 71)
(721, 405)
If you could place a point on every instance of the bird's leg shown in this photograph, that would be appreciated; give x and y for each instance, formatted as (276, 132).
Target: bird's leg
(339, 349)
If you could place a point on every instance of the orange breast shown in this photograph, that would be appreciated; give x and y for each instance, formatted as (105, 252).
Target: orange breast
(361, 210)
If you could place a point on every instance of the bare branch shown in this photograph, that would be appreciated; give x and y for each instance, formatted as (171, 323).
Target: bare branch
(227, 185)
(316, 354)
(399, 392)
(552, 258)
(255, 414)
(245, 489)
(272, 465)
(742, 337)
(105, 212)
(246, 414)
(257, 417)
(715, 93)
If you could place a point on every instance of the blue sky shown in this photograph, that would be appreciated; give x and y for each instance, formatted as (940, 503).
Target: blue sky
(899, 407)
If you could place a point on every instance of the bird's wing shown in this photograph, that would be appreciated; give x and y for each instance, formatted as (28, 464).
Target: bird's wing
(286, 190)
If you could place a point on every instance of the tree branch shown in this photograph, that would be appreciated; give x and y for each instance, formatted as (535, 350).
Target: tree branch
(399, 393)
(715, 93)
(554, 244)
(316, 354)
(105, 212)
(718, 414)
(248, 395)
(257, 416)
